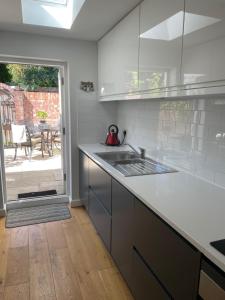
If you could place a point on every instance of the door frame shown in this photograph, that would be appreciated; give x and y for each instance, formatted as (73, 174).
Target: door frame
(66, 139)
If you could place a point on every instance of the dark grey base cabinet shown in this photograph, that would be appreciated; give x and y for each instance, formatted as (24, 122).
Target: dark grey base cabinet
(174, 261)
(122, 229)
(100, 183)
(156, 262)
(83, 178)
(145, 285)
(101, 219)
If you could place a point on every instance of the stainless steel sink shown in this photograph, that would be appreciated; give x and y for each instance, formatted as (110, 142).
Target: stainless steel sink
(130, 164)
(117, 156)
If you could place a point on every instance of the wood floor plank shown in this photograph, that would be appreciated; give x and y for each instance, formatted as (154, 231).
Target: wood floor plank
(41, 281)
(39, 253)
(77, 249)
(2, 223)
(114, 285)
(37, 234)
(19, 237)
(66, 283)
(55, 235)
(1, 292)
(18, 292)
(104, 284)
(17, 271)
(91, 285)
(4, 245)
(86, 248)
(100, 257)
(38, 244)
(80, 215)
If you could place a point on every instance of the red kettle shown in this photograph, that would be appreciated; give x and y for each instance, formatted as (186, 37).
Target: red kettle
(112, 136)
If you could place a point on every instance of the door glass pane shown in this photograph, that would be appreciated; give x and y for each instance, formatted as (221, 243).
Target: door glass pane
(31, 129)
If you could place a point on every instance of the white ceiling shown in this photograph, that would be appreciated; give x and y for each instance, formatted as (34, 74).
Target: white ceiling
(94, 20)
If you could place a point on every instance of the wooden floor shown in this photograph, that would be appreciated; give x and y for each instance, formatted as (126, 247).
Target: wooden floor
(58, 260)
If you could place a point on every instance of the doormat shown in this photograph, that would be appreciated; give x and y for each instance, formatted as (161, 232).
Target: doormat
(37, 194)
(38, 214)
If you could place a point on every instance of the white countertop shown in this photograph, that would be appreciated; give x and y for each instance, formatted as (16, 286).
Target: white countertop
(193, 207)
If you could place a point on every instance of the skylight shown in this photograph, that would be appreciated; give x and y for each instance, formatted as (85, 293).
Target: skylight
(51, 13)
(61, 2)
(169, 30)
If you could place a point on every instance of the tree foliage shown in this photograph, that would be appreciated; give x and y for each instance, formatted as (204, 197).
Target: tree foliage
(5, 76)
(32, 77)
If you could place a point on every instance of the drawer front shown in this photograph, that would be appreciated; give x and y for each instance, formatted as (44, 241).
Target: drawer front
(145, 285)
(172, 259)
(100, 218)
(100, 183)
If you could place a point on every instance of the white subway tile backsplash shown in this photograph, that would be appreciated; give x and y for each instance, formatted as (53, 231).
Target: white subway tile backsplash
(189, 134)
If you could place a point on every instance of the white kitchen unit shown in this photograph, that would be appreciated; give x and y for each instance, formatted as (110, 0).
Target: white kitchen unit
(118, 57)
(161, 28)
(204, 43)
(180, 52)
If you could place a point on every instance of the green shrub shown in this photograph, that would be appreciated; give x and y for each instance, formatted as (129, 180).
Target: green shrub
(42, 114)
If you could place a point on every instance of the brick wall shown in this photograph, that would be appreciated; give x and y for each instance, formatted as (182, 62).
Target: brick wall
(27, 104)
(44, 101)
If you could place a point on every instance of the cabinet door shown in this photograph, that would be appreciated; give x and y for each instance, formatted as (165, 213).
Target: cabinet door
(100, 218)
(161, 27)
(175, 262)
(203, 41)
(83, 179)
(100, 182)
(118, 57)
(122, 229)
(145, 285)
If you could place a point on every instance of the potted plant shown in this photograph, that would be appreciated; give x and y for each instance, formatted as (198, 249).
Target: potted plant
(42, 115)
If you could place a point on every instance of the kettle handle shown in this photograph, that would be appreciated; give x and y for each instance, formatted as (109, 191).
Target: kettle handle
(113, 125)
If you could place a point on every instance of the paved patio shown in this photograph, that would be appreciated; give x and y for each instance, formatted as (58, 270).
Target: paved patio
(38, 174)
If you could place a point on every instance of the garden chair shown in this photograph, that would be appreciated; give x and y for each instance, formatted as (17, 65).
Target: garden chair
(56, 139)
(22, 136)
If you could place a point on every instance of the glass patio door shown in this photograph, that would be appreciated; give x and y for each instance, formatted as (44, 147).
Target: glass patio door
(32, 137)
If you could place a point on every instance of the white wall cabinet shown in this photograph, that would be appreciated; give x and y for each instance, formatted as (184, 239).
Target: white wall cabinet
(161, 28)
(204, 42)
(118, 57)
(165, 48)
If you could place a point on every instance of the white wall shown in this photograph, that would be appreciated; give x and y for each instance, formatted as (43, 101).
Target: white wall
(189, 134)
(88, 118)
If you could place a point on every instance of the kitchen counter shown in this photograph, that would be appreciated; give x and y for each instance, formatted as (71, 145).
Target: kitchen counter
(193, 207)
